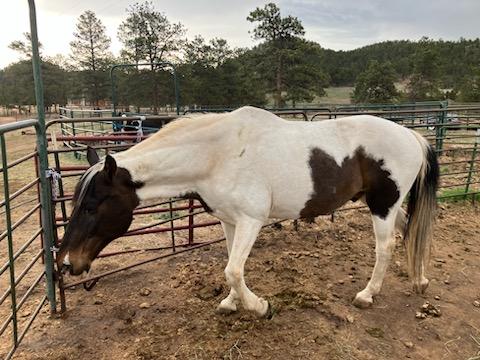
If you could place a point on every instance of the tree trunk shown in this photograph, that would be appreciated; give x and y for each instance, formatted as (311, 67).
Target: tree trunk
(155, 86)
(278, 82)
(96, 94)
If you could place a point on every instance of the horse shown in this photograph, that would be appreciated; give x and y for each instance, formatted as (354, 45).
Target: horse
(248, 166)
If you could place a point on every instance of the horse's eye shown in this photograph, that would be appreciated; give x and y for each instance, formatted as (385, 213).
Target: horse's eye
(90, 211)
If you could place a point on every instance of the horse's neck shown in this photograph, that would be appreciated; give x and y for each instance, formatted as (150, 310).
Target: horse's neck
(166, 170)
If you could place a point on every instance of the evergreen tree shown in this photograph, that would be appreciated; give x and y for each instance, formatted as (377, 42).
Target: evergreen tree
(90, 53)
(469, 88)
(424, 83)
(305, 78)
(24, 47)
(376, 84)
(211, 54)
(148, 36)
(17, 87)
(279, 34)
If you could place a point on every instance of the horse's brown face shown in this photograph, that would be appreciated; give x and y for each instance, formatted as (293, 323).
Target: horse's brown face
(102, 212)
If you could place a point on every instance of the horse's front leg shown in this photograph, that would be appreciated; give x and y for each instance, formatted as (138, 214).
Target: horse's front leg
(385, 243)
(229, 304)
(246, 231)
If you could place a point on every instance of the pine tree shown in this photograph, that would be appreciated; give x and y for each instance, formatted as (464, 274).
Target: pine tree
(424, 83)
(148, 36)
(376, 84)
(90, 53)
(24, 47)
(280, 56)
(469, 88)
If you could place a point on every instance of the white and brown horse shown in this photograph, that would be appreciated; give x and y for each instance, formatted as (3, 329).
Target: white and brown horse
(248, 166)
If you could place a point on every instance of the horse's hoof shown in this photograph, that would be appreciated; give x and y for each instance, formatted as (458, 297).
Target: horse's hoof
(420, 288)
(265, 308)
(270, 312)
(226, 309)
(362, 303)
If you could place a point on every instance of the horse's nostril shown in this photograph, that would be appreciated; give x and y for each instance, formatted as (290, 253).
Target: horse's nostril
(66, 268)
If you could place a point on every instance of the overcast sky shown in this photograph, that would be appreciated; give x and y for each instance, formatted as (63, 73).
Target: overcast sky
(335, 24)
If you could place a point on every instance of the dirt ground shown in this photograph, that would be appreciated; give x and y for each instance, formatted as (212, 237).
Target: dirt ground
(166, 310)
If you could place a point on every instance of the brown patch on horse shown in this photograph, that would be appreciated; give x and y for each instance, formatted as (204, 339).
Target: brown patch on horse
(359, 175)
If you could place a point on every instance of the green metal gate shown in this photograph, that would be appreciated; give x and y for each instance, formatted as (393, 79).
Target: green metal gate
(26, 272)
(28, 265)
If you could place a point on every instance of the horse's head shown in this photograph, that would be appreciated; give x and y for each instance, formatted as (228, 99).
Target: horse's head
(103, 206)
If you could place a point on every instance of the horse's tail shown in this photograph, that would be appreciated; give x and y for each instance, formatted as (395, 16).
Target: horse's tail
(421, 208)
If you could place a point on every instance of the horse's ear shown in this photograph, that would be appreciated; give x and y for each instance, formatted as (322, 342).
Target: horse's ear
(110, 166)
(92, 156)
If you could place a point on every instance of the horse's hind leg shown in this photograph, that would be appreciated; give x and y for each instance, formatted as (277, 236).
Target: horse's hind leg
(385, 242)
(229, 304)
(246, 231)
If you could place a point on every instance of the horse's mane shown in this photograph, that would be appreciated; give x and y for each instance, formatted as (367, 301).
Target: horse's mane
(179, 128)
(84, 182)
(189, 123)
(183, 125)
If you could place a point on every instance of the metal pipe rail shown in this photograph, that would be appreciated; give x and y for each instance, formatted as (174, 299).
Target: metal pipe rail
(19, 192)
(20, 221)
(392, 112)
(149, 260)
(155, 118)
(21, 250)
(11, 229)
(142, 262)
(20, 160)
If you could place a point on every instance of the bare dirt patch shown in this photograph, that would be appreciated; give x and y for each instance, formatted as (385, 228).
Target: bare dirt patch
(165, 310)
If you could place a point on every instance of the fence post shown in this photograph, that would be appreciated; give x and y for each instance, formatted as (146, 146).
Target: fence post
(190, 221)
(172, 225)
(441, 130)
(472, 165)
(43, 163)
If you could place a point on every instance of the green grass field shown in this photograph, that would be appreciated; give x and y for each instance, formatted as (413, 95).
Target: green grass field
(336, 95)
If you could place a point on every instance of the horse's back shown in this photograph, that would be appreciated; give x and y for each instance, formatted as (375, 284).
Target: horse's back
(303, 169)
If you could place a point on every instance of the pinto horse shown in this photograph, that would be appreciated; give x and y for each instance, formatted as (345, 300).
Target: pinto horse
(248, 166)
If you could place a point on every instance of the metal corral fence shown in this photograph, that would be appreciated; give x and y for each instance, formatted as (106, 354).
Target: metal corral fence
(26, 269)
(329, 110)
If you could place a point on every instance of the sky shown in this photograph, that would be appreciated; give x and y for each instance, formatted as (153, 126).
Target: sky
(334, 24)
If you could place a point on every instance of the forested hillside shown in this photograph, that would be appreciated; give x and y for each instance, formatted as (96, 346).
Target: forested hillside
(455, 59)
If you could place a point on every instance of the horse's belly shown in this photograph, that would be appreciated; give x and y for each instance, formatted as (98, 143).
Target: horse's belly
(315, 205)
(290, 192)
(316, 187)
(324, 204)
